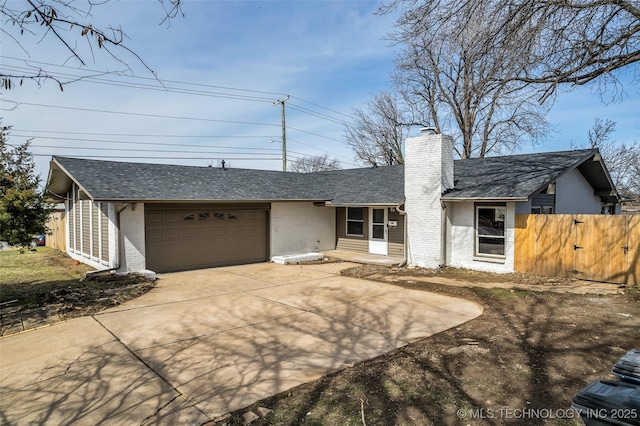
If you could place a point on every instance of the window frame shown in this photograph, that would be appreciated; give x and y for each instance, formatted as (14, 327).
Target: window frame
(478, 236)
(347, 220)
(541, 210)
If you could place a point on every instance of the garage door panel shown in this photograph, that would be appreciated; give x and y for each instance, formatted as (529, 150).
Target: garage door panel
(171, 216)
(154, 234)
(188, 232)
(232, 230)
(181, 237)
(154, 217)
(171, 232)
(204, 231)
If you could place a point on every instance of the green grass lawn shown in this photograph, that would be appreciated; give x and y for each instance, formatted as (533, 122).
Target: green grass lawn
(26, 276)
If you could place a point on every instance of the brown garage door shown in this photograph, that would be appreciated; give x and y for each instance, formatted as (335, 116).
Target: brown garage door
(181, 237)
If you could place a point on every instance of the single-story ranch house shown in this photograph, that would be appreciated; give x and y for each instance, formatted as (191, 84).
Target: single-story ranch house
(430, 211)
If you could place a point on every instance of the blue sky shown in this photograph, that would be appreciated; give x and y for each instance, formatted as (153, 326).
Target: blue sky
(329, 56)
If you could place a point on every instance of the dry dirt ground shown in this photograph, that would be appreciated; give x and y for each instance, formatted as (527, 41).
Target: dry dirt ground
(27, 307)
(519, 363)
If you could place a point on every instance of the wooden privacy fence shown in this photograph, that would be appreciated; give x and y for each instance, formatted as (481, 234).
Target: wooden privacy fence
(591, 247)
(56, 226)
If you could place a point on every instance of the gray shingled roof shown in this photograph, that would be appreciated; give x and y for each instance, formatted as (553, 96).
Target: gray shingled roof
(508, 177)
(514, 176)
(109, 180)
(381, 185)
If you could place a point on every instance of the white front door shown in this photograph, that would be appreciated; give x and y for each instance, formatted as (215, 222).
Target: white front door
(378, 231)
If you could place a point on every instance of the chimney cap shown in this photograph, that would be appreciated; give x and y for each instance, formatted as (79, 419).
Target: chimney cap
(429, 130)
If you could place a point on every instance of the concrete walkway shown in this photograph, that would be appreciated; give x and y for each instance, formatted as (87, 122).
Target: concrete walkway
(207, 342)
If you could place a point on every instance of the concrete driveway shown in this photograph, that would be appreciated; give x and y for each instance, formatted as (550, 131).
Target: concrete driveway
(207, 342)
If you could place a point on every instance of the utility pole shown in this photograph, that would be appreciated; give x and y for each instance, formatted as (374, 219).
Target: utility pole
(284, 133)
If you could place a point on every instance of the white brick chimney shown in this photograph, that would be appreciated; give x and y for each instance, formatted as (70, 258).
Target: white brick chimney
(428, 173)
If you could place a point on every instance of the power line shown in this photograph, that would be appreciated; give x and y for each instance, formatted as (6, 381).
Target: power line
(111, 82)
(111, 141)
(320, 106)
(137, 143)
(317, 114)
(166, 158)
(315, 134)
(163, 87)
(141, 135)
(322, 150)
(174, 117)
(148, 150)
(139, 114)
(162, 81)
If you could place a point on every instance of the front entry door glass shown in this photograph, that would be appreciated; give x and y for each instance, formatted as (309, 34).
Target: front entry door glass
(378, 232)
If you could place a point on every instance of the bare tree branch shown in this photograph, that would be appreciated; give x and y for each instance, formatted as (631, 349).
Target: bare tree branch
(455, 77)
(316, 163)
(377, 135)
(560, 42)
(67, 22)
(622, 159)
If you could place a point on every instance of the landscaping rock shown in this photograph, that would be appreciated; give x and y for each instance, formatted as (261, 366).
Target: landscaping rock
(249, 417)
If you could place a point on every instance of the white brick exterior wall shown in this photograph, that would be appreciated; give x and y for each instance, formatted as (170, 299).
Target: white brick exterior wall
(461, 239)
(428, 173)
(132, 239)
(301, 227)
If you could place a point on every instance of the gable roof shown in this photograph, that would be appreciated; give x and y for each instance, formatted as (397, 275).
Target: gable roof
(113, 181)
(515, 177)
(518, 177)
(119, 181)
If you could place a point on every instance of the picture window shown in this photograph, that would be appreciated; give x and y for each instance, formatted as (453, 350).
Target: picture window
(490, 230)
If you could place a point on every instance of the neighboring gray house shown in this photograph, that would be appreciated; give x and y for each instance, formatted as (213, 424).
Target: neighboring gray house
(430, 211)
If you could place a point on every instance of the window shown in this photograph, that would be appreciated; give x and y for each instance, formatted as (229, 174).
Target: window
(204, 216)
(355, 221)
(542, 210)
(218, 215)
(490, 230)
(188, 216)
(232, 215)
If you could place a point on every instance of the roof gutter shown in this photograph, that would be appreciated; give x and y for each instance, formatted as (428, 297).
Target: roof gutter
(364, 204)
(203, 200)
(483, 199)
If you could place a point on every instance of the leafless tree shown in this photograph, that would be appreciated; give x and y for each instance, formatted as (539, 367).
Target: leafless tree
(377, 134)
(601, 132)
(622, 159)
(623, 162)
(453, 77)
(67, 22)
(314, 163)
(571, 42)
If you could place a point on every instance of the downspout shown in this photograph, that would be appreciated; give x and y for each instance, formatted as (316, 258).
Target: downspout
(406, 233)
(443, 236)
(124, 207)
(114, 268)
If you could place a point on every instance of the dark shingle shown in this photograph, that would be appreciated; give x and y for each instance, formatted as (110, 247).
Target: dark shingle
(109, 180)
(515, 177)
